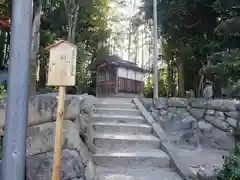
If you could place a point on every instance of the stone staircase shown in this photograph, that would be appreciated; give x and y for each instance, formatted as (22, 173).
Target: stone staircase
(126, 148)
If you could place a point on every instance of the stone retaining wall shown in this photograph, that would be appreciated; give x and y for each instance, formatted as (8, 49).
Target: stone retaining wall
(199, 130)
(220, 113)
(202, 115)
(76, 163)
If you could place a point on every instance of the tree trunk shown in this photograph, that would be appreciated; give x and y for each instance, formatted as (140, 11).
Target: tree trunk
(170, 79)
(7, 47)
(2, 44)
(129, 43)
(42, 73)
(72, 10)
(181, 88)
(34, 50)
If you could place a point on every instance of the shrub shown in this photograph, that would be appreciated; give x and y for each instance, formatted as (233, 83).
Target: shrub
(231, 167)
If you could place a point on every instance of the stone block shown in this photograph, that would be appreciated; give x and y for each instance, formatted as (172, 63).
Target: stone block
(198, 103)
(161, 103)
(232, 114)
(189, 119)
(163, 112)
(219, 115)
(204, 126)
(40, 166)
(40, 139)
(43, 108)
(216, 122)
(178, 102)
(210, 112)
(221, 105)
(182, 112)
(232, 122)
(172, 109)
(90, 170)
(197, 113)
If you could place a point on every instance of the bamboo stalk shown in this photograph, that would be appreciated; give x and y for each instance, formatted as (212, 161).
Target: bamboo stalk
(58, 135)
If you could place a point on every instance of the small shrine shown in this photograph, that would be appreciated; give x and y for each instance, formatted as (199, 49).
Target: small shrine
(118, 77)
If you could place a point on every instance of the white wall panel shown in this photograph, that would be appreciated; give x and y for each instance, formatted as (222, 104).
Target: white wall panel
(130, 74)
(122, 72)
(139, 76)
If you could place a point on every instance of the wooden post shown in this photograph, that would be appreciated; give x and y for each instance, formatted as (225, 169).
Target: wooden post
(61, 73)
(58, 134)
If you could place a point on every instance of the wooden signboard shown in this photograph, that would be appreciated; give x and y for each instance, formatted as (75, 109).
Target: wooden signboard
(62, 64)
(61, 73)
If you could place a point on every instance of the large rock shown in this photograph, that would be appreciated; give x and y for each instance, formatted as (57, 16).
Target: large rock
(210, 112)
(204, 126)
(198, 103)
(217, 122)
(219, 115)
(90, 170)
(189, 119)
(177, 102)
(220, 139)
(189, 137)
(182, 112)
(40, 166)
(221, 105)
(206, 173)
(40, 139)
(197, 113)
(43, 108)
(232, 114)
(232, 122)
(89, 103)
(161, 103)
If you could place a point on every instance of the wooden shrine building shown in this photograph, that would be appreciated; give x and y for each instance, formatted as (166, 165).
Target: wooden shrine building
(117, 77)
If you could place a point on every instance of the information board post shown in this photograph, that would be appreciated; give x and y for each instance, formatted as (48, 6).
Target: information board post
(58, 134)
(61, 73)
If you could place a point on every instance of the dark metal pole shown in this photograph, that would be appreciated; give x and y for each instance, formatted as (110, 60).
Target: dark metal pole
(17, 104)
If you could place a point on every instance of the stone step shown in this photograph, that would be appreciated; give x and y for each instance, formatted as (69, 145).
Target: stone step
(117, 111)
(117, 141)
(136, 173)
(116, 99)
(121, 157)
(116, 105)
(118, 118)
(130, 128)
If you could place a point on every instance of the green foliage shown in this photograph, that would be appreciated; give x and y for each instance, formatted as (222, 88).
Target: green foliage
(47, 90)
(83, 73)
(2, 91)
(162, 85)
(91, 35)
(194, 30)
(231, 167)
(148, 88)
(230, 27)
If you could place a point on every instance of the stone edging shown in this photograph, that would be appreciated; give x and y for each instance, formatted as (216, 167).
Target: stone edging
(181, 167)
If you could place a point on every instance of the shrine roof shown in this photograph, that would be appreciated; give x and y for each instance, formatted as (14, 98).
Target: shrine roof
(118, 61)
